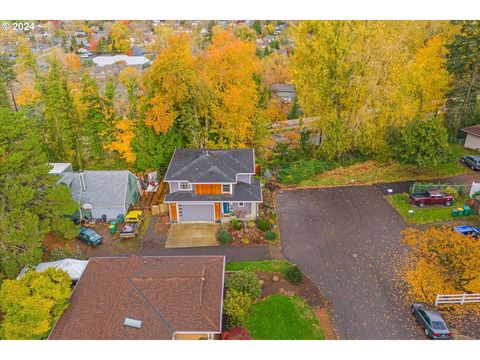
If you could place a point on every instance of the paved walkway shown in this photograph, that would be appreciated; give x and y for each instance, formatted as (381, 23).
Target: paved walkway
(233, 253)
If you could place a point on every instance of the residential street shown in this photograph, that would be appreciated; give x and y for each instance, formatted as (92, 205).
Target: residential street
(348, 241)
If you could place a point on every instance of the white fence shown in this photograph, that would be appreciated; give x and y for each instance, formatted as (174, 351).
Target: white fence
(475, 188)
(457, 299)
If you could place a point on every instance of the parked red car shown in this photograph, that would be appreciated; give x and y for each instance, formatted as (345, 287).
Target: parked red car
(431, 197)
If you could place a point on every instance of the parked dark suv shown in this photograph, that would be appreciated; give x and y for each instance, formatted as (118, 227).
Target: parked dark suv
(473, 162)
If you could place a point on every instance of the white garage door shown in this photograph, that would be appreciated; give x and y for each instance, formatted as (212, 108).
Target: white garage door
(199, 212)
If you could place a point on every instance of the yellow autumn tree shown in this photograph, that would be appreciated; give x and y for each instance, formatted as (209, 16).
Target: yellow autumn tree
(119, 36)
(123, 136)
(441, 262)
(228, 67)
(363, 77)
(275, 69)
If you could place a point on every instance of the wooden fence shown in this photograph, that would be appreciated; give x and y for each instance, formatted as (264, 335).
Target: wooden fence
(457, 299)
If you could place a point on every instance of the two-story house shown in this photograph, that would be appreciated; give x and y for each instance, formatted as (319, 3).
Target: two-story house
(208, 185)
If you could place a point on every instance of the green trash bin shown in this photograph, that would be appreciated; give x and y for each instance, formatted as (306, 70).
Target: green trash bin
(467, 210)
(454, 213)
(112, 228)
(460, 211)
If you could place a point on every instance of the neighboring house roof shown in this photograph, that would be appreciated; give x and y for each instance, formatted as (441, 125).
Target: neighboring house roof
(282, 88)
(73, 267)
(210, 166)
(112, 59)
(59, 168)
(167, 294)
(99, 188)
(243, 192)
(474, 130)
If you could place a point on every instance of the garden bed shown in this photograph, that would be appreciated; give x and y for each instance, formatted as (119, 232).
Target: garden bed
(263, 231)
(428, 214)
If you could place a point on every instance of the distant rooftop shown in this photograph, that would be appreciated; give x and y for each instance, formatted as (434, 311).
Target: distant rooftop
(106, 60)
(60, 168)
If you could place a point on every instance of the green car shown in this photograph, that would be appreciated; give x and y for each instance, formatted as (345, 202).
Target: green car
(89, 236)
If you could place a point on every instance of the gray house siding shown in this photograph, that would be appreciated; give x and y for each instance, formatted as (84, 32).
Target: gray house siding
(244, 178)
(174, 187)
(472, 142)
(247, 209)
(111, 212)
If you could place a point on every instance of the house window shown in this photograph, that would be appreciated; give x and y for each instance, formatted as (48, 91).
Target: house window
(241, 204)
(226, 188)
(185, 185)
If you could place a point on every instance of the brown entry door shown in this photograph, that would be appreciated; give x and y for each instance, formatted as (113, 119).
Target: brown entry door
(173, 212)
(217, 211)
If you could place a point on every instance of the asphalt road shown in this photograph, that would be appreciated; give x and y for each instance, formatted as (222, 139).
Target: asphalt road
(347, 240)
(232, 253)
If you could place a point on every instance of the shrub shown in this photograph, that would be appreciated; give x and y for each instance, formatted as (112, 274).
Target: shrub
(294, 275)
(450, 190)
(300, 170)
(224, 237)
(33, 303)
(244, 281)
(271, 214)
(263, 225)
(236, 224)
(235, 307)
(270, 235)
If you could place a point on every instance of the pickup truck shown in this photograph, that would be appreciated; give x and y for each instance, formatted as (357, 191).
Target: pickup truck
(133, 220)
(431, 197)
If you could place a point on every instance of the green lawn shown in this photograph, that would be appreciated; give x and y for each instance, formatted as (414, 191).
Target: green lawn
(426, 215)
(278, 266)
(280, 317)
(373, 172)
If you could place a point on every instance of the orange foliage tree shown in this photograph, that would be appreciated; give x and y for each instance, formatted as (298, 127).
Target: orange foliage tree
(72, 62)
(441, 262)
(123, 136)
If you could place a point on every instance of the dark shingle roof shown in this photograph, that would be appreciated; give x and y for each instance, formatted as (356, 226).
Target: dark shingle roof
(102, 187)
(209, 166)
(474, 130)
(168, 294)
(242, 192)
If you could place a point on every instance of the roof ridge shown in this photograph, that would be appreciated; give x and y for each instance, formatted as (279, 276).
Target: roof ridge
(154, 308)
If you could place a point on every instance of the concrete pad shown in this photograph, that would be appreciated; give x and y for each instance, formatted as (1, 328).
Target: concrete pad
(192, 235)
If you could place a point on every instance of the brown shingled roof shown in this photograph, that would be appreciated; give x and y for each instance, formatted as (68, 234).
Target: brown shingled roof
(474, 130)
(168, 294)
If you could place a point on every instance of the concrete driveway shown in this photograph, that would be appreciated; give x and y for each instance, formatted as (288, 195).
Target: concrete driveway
(192, 235)
(347, 240)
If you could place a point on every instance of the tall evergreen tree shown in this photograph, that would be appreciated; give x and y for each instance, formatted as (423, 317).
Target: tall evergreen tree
(31, 202)
(61, 124)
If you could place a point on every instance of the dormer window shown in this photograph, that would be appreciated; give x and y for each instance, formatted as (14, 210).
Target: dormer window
(185, 186)
(226, 188)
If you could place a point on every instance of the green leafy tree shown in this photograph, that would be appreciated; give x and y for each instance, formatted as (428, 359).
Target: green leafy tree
(33, 304)
(422, 143)
(32, 204)
(463, 63)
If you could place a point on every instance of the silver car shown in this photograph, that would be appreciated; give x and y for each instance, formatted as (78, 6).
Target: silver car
(431, 321)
